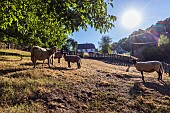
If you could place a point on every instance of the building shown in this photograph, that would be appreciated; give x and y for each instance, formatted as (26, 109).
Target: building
(119, 50)
(87, 47)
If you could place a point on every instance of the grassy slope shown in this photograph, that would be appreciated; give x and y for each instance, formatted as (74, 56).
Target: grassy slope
(96, 87)
(15, 51)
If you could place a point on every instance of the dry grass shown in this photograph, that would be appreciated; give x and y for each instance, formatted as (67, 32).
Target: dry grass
(15, 51)
(96, 87)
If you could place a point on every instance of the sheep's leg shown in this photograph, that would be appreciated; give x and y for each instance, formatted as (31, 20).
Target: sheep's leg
(52, 60)
(142, 76)
(43, 63)
(33, 61)
(69, 65)
(78, 65)
(58, 60)
(49, 62)
(159, 75)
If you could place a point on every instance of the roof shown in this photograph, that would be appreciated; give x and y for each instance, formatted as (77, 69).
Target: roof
(86, 46)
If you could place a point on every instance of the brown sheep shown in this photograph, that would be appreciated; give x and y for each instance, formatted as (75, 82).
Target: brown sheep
(57, 54)
(73, 59)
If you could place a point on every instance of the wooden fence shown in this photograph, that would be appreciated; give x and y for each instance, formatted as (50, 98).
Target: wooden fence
(115, 59)
(123, 60)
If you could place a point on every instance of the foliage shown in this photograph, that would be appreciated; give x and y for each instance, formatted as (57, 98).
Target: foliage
(124, 44)
(105, 44)
(71, 44)
(152, 53)
(167, 26)
(148, 35)
(163, 40)
(158, 53)
(48, 22)
(121, 41)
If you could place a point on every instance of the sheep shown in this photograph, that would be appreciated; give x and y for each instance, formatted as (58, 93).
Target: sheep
(149, 66)
(166, 68)
(57, 54)
(73, 59)
(38, 53)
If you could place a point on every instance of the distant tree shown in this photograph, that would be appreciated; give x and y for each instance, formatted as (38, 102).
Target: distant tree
(121, 41)
(105, 44)
(153, 53)
(161, 52)
(163, 40)
(114, 45)
(71, 44)
(167, 26)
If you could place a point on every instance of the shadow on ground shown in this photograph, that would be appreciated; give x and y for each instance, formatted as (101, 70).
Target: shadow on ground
(163, 89)
(62, 68)
(125, 76)
(140, 88)
(6, 71)
(31, 64)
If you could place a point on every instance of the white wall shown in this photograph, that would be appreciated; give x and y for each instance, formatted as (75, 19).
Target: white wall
(86, 50)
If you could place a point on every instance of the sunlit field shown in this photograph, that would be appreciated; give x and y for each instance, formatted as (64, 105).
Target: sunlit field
(96, 87)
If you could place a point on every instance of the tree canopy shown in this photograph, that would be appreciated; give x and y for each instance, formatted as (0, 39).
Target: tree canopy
(48, 22)
(70, 45)
(105, 44)
(163, 40)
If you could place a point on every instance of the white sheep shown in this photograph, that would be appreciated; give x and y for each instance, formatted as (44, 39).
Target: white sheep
(73, 59)
(149, 66)
(38, 53)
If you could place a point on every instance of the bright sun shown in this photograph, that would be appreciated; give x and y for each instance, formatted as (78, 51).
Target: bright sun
(131, 19)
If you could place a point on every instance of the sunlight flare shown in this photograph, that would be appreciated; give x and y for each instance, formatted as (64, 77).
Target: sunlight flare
(131, 19)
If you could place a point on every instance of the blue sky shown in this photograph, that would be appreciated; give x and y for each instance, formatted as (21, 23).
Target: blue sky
(150, 12)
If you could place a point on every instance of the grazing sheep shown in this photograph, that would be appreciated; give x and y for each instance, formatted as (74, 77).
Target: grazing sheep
(57, 54)
(38, 53)
(73, 59)
(149, 66)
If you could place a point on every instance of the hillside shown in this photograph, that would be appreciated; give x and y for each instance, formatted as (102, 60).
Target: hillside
(96, 87)
(151, 34)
